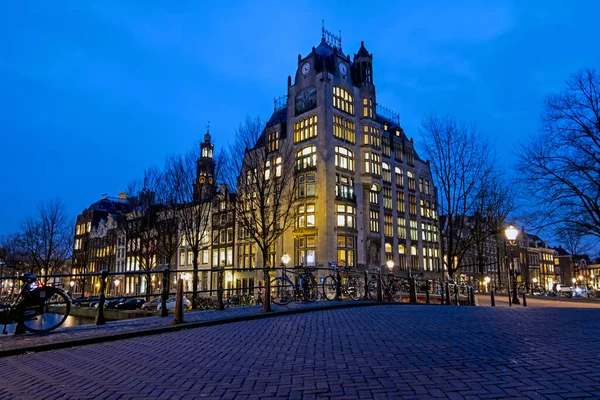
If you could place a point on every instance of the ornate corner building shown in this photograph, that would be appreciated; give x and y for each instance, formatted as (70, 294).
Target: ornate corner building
(364, 195)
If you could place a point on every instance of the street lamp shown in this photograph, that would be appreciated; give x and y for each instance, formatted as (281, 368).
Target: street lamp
(285, 259)
(487, 282)
(116, 282)
(390, 265)
(511, 235)
(574, 280)
(535, 281)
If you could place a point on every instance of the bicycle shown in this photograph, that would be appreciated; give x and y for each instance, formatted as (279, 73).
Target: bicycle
(354, 286)
(283, 290)
(37, 309)
(391, 291)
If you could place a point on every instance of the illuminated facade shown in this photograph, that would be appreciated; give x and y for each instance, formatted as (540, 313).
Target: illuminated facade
(364, 196)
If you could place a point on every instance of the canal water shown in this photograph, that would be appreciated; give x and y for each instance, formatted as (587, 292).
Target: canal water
(69, 322)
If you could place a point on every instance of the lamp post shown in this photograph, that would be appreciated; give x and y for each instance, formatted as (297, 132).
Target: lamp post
(285, 259)
(511, 235)
(116, 282)
(487, 282)
(390, 265)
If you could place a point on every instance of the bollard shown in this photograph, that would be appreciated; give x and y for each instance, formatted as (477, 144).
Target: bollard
(220, 290)
(179, 303)
(447, 293)
(338, 284)
(379, 288)
(472, 296)
(456, 293)
(427, 289)
(165, 293)
(469, 296)
(100, 320)
(492, 298)
(267, 293)
(413, 290)
(442, 293)
(367, 294)
(524, 300)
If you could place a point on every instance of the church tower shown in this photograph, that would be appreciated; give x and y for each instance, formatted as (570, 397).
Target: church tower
(205, 168)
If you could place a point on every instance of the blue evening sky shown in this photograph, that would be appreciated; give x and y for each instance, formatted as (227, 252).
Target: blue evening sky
(93, 92)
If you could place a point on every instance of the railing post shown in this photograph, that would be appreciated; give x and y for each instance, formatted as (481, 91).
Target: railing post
(178, 319)
(456, 293)
(441, 292)
(338, 284)
(413, 289)
(220, 289)
(447, 293)
(165, 293)
(267, 293)
(524, 300)
(100, 320)
(427, 289)
(379, 288)
(367, 285)
(469, 296)
(492, 299)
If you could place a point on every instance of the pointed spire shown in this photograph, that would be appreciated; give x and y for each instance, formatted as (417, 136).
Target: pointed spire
(207, 136)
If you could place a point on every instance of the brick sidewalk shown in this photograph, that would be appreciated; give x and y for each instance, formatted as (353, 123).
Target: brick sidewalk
(404, 352)
(118, 330)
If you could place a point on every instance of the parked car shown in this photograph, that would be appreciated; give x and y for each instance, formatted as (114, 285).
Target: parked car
(564, 291)
(130, 304)
(112, 302)
(584, 291)
(171, 304)
(88, 301)
(151, 305)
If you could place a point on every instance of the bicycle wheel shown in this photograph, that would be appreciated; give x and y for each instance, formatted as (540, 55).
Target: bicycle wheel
(355, 288)
(282, 290)
(372, 288)
(396, 292)
(310, 289)
(45, 309)
(329, 287)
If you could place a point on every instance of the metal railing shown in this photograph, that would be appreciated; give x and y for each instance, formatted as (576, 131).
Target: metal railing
(218, 289)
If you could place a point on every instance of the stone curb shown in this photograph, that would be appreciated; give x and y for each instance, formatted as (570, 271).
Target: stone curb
(178, 327)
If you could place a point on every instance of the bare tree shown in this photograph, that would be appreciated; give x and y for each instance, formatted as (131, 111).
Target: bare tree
(167, 224)
(194, 202)
(265, 183)
(460, 161)
(561, 164)
(141, 223)
(495, 203)
(46, 239)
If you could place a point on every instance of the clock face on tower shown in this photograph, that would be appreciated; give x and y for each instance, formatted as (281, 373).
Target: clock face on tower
(305, 68)
(343, 68)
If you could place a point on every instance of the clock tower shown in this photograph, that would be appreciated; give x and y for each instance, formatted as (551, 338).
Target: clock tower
(205, 168)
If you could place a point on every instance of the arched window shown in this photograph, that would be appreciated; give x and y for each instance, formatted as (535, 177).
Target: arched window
(412, 182)
(342, 100)
(344, 158)
(388, 248)
(278, 167)
(399, 177)
(267, 170)
(386, 172)
(306, 158)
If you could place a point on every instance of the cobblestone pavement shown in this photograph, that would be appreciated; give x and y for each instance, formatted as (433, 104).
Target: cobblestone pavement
(75, 335)
(412, 352)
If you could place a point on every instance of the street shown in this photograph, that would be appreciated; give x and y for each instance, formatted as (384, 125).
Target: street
(401, 351)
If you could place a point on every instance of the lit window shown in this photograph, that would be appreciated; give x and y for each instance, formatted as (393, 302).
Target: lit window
(344, 129)
(306, 216)
(273, 141)
(344, 158)
(342, 100)
(346, 215)
(387, 172)
(344, 187)
(306, 158)
(305, 129)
